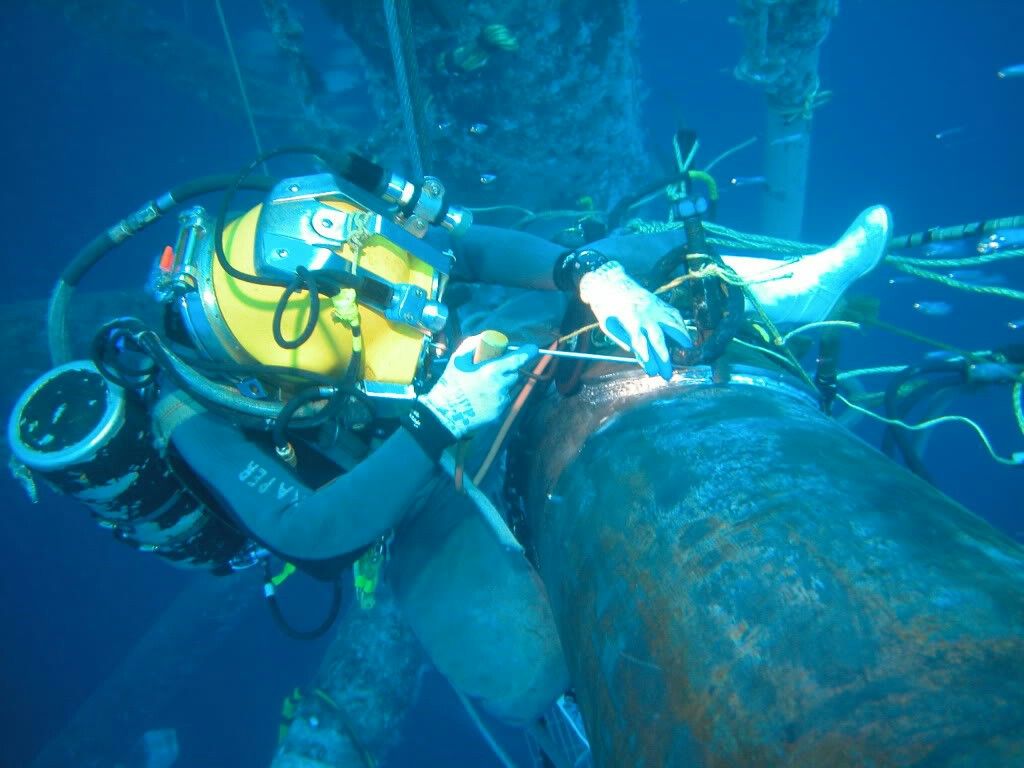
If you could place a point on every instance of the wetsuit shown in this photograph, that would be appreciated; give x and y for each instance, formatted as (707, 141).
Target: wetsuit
(480, 611)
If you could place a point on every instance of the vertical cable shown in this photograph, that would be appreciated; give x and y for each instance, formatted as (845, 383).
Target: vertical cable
(402, 81)
(241, 83)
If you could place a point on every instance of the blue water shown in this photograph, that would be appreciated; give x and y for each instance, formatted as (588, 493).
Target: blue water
(89, 135)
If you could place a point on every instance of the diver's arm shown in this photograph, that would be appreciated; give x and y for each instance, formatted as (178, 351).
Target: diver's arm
(638, 253)
(506, 257)
(521, 260)
(273, 503)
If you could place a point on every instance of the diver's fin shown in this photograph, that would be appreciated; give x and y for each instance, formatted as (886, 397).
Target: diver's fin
(805, 290)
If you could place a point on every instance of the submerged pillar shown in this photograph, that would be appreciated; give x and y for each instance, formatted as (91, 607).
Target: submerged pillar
(352, 715)
(525, 102)
(738, 580)
(783, 40)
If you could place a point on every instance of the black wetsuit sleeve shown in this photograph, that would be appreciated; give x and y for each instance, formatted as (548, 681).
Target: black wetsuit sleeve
(640, 252)
(506, 257)
(271, 501)
(521, 260)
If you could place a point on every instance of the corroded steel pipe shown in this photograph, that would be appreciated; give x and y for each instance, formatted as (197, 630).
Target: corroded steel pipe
(738, 580)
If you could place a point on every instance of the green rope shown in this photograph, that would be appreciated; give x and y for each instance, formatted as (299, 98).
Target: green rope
(991, 290)
(966, 261)
(880, 370)
(723, 237)
(820, 324)
(787, 361)
(774, 245)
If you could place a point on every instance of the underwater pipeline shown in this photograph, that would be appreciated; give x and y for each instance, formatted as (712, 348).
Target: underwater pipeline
(739, 580)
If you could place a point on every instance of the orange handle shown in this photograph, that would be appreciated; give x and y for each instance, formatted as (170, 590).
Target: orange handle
(492, 344)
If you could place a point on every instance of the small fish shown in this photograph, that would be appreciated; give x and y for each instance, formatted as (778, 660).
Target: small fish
(1015, 325)
(478, 129)
(949, 133)
(488, 178)
(902, 280)
(1003, 238)
(748, 181)
(1015, 70)
(990, 244)
(445, 127)
(977, 277)
(790, 139)
(933, 308)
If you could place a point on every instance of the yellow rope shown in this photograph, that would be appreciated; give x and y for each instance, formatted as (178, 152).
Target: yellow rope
(770, 353)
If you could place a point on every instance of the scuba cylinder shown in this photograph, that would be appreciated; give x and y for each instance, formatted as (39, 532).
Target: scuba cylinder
(90, 439)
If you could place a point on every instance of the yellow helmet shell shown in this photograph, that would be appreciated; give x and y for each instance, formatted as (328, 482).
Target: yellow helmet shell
(391, 351)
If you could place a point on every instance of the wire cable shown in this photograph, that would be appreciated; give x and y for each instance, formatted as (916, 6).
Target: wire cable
(1016, 460)
(241, 82)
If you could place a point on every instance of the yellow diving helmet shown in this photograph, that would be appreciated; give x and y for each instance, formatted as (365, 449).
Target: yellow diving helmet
(319, 224)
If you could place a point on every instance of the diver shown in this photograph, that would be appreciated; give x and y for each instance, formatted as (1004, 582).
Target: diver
(291, 406)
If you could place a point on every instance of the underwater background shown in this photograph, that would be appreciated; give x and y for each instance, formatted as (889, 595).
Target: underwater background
(918, 121)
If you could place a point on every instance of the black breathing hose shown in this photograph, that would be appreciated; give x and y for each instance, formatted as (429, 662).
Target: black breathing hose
(358, 170)
(57, 332)
(283, 420)
(269, 591)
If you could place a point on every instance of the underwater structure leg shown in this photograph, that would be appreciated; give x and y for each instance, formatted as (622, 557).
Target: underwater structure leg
(783, 42)
(499, 74)
(738, 580)
(369, 678)
(786, 160)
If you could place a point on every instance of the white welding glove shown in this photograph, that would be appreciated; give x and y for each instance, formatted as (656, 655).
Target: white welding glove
(633, 317)
(469, 395)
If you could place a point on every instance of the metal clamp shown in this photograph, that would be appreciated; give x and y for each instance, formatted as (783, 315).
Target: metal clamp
(410, 305)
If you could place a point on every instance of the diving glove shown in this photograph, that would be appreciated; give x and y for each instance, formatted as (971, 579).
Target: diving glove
(633, 317)
(469, 395)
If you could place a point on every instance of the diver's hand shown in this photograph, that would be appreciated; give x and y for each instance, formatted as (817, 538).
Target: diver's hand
(469, 395)
(633, 317)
